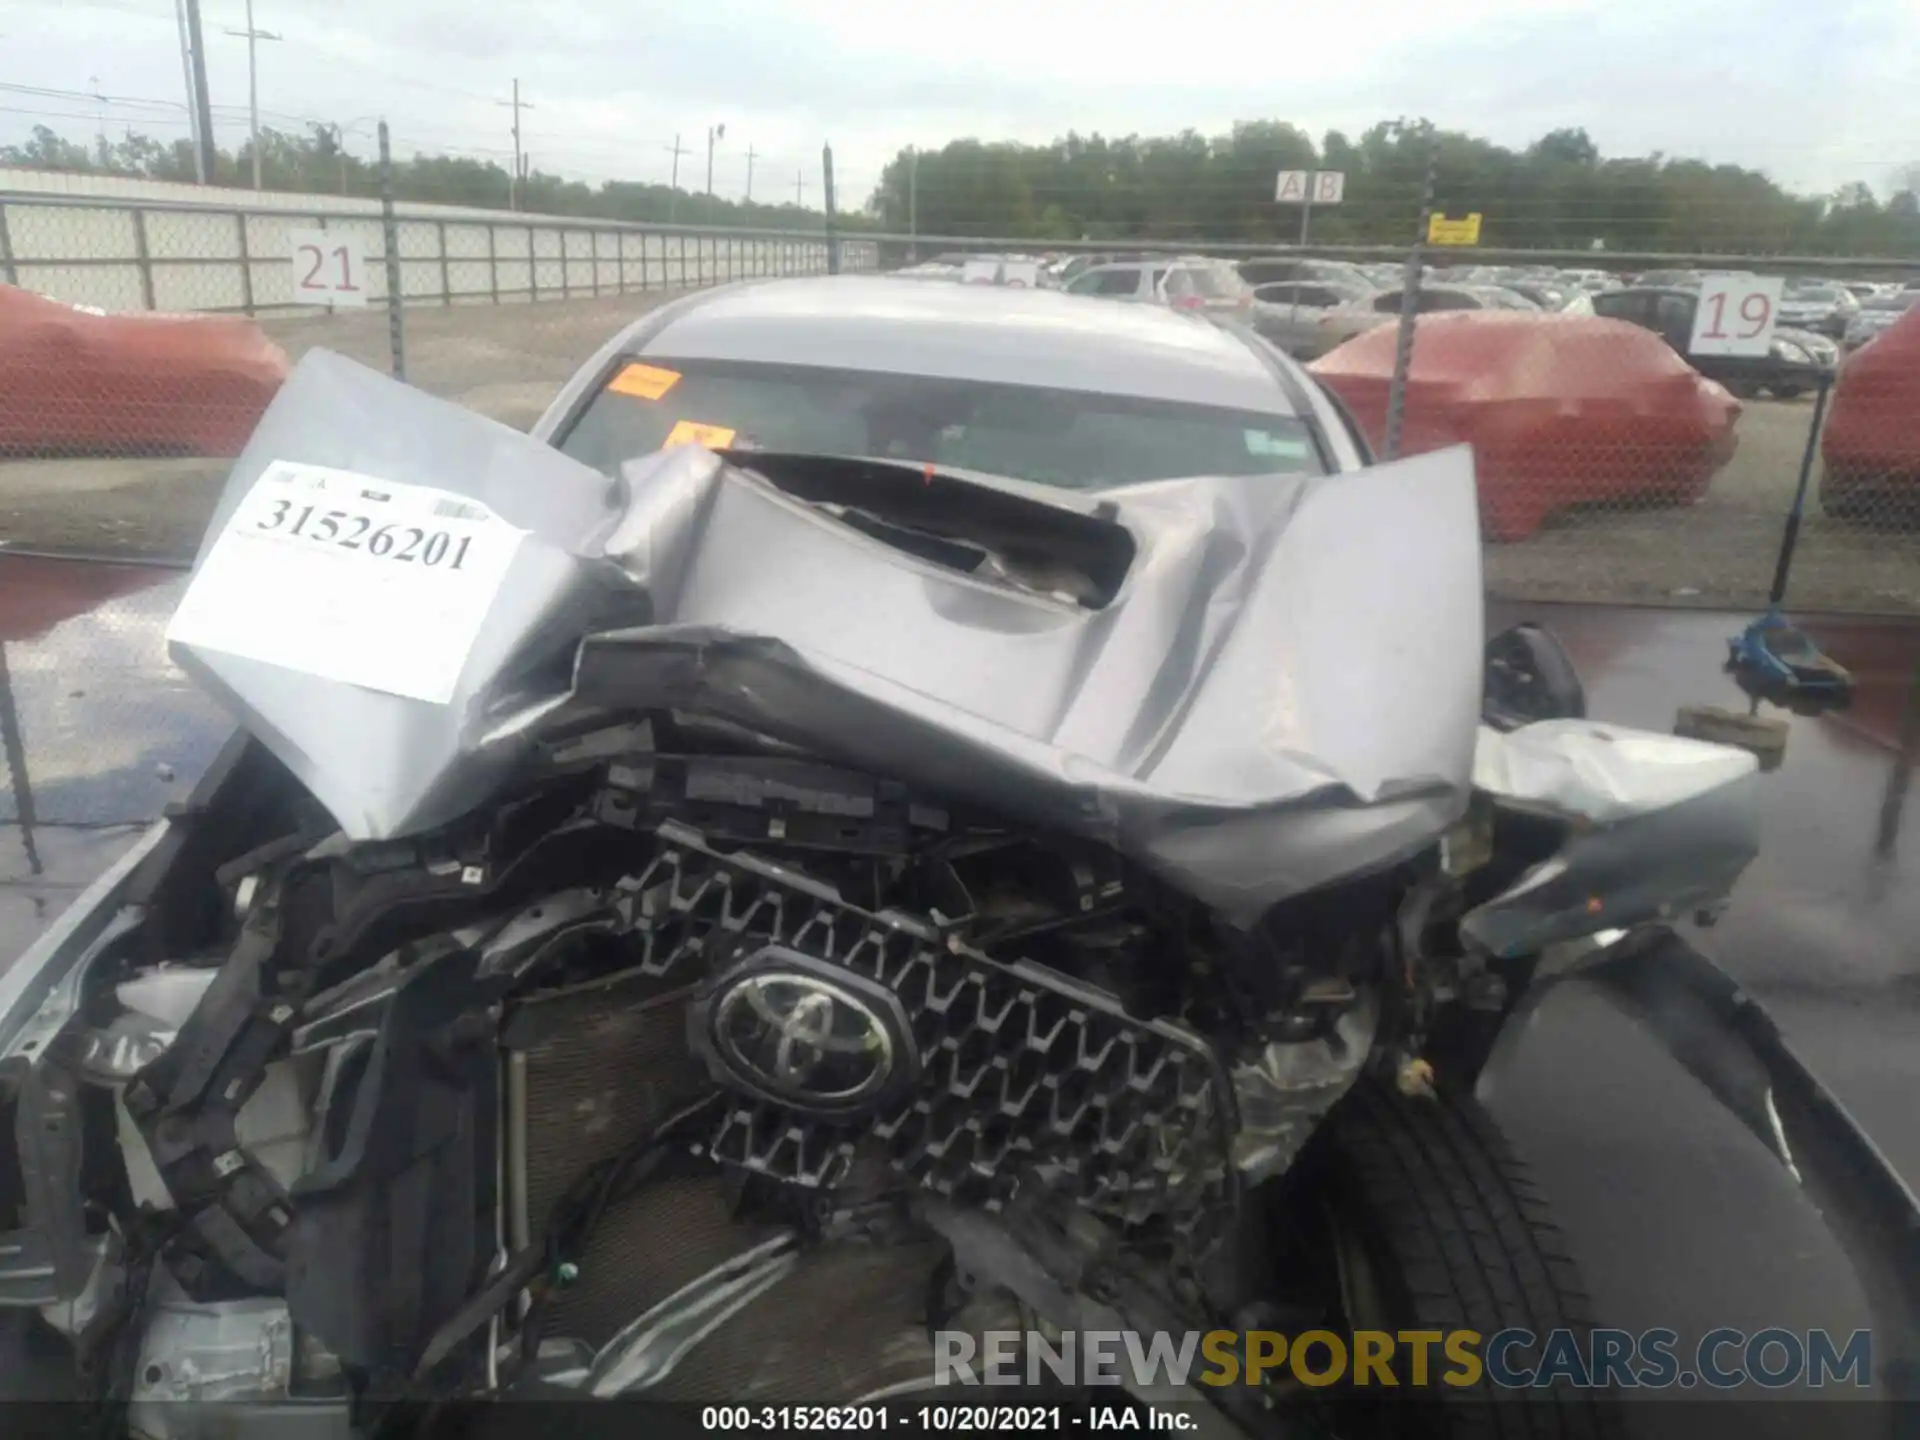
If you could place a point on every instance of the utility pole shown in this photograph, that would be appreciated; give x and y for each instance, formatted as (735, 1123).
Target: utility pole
(749, 174)
(714, 132)
(800, 188)
(193, 109)
(913, 205)
(1410, 296)
(203, 151)
(100, 130)
(253, 38)
(519, 176)
(673, 201)
(826, 182)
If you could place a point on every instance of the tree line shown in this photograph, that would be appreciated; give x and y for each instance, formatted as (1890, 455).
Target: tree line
(318, 163)
(1557, 193)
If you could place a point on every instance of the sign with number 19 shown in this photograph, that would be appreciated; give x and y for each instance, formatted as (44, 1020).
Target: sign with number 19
(1736, 315)
(327, 268)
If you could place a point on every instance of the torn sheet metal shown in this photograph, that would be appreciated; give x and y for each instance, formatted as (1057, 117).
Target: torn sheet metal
(1283, 688)
(1599, 772)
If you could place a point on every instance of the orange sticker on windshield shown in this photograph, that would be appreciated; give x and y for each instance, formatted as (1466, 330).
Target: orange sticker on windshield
(692, 432)
(644, 382)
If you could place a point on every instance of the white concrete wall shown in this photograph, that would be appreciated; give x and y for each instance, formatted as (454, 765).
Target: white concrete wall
(195, 256)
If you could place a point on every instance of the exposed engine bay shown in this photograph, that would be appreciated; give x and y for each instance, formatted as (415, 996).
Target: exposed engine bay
(695, 1072)
(808, 1016)
(687, 1009)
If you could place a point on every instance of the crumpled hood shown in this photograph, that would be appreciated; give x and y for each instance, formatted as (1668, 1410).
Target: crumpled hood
(1282, 689)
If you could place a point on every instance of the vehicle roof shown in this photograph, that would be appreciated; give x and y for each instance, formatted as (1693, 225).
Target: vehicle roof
(1150, 262)
(1017, 336)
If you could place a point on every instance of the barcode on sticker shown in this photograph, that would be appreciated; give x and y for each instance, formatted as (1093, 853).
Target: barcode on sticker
(459, 510)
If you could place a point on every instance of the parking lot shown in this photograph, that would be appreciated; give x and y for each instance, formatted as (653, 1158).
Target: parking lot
(508, 361)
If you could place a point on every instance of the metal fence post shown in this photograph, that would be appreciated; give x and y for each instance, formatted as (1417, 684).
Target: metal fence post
(493, 266)
(1791, 538)
(833, 238)
(593, 238)
(566, 268)
(246, 262)
(145, 257)
(533, 267)
(446, 270)
(1410, 304)
(7, 270)
(620, 260)
(390, 234)
(14, 747)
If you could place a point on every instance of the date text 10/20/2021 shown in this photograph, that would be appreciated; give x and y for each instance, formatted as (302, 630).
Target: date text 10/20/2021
(911, 1419)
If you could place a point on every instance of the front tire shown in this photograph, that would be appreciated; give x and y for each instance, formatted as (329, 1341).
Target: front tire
(1447, 1230)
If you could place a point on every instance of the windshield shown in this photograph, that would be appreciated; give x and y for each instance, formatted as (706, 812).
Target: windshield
(1069, 438)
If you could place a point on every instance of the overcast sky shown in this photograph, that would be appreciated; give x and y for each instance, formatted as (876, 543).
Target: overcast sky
(1816, 95)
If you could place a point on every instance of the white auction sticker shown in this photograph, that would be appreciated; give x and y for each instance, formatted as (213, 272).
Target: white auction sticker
(351, 578)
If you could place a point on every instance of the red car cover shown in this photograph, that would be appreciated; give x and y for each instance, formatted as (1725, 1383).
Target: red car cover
(1872, 439)
(1560, 409)
(73, 382)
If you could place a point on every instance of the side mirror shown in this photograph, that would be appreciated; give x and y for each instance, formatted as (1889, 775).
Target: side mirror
(1529, 677)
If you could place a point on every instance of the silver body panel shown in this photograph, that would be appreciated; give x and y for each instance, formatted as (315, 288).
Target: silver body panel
(1284, 690)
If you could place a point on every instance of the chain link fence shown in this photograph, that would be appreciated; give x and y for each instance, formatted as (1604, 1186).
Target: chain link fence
(1611, 469)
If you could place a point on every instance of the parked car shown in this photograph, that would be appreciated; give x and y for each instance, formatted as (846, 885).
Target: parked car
(1279, 271)
(1591, 281)
(1822, 306)
(1072, 267)
(1033, 384)
(1193, 283)
(1799, 359)
(75, 381)
(1336, 327)
(1546, 296)
(1871, 442)
(1877, 314)
(1667, 279)
(1288, 312)
(1506, 297)
(1560, 410)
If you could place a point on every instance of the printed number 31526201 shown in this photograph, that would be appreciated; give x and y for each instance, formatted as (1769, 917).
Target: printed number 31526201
(407, 544)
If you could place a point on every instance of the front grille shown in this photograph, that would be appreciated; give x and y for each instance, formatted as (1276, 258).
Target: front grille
(1023, 1074)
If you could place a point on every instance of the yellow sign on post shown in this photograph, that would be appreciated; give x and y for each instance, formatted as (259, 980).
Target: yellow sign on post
(1442, 231)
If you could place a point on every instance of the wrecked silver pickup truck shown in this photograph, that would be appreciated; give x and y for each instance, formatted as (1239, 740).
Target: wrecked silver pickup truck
(696, 934)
